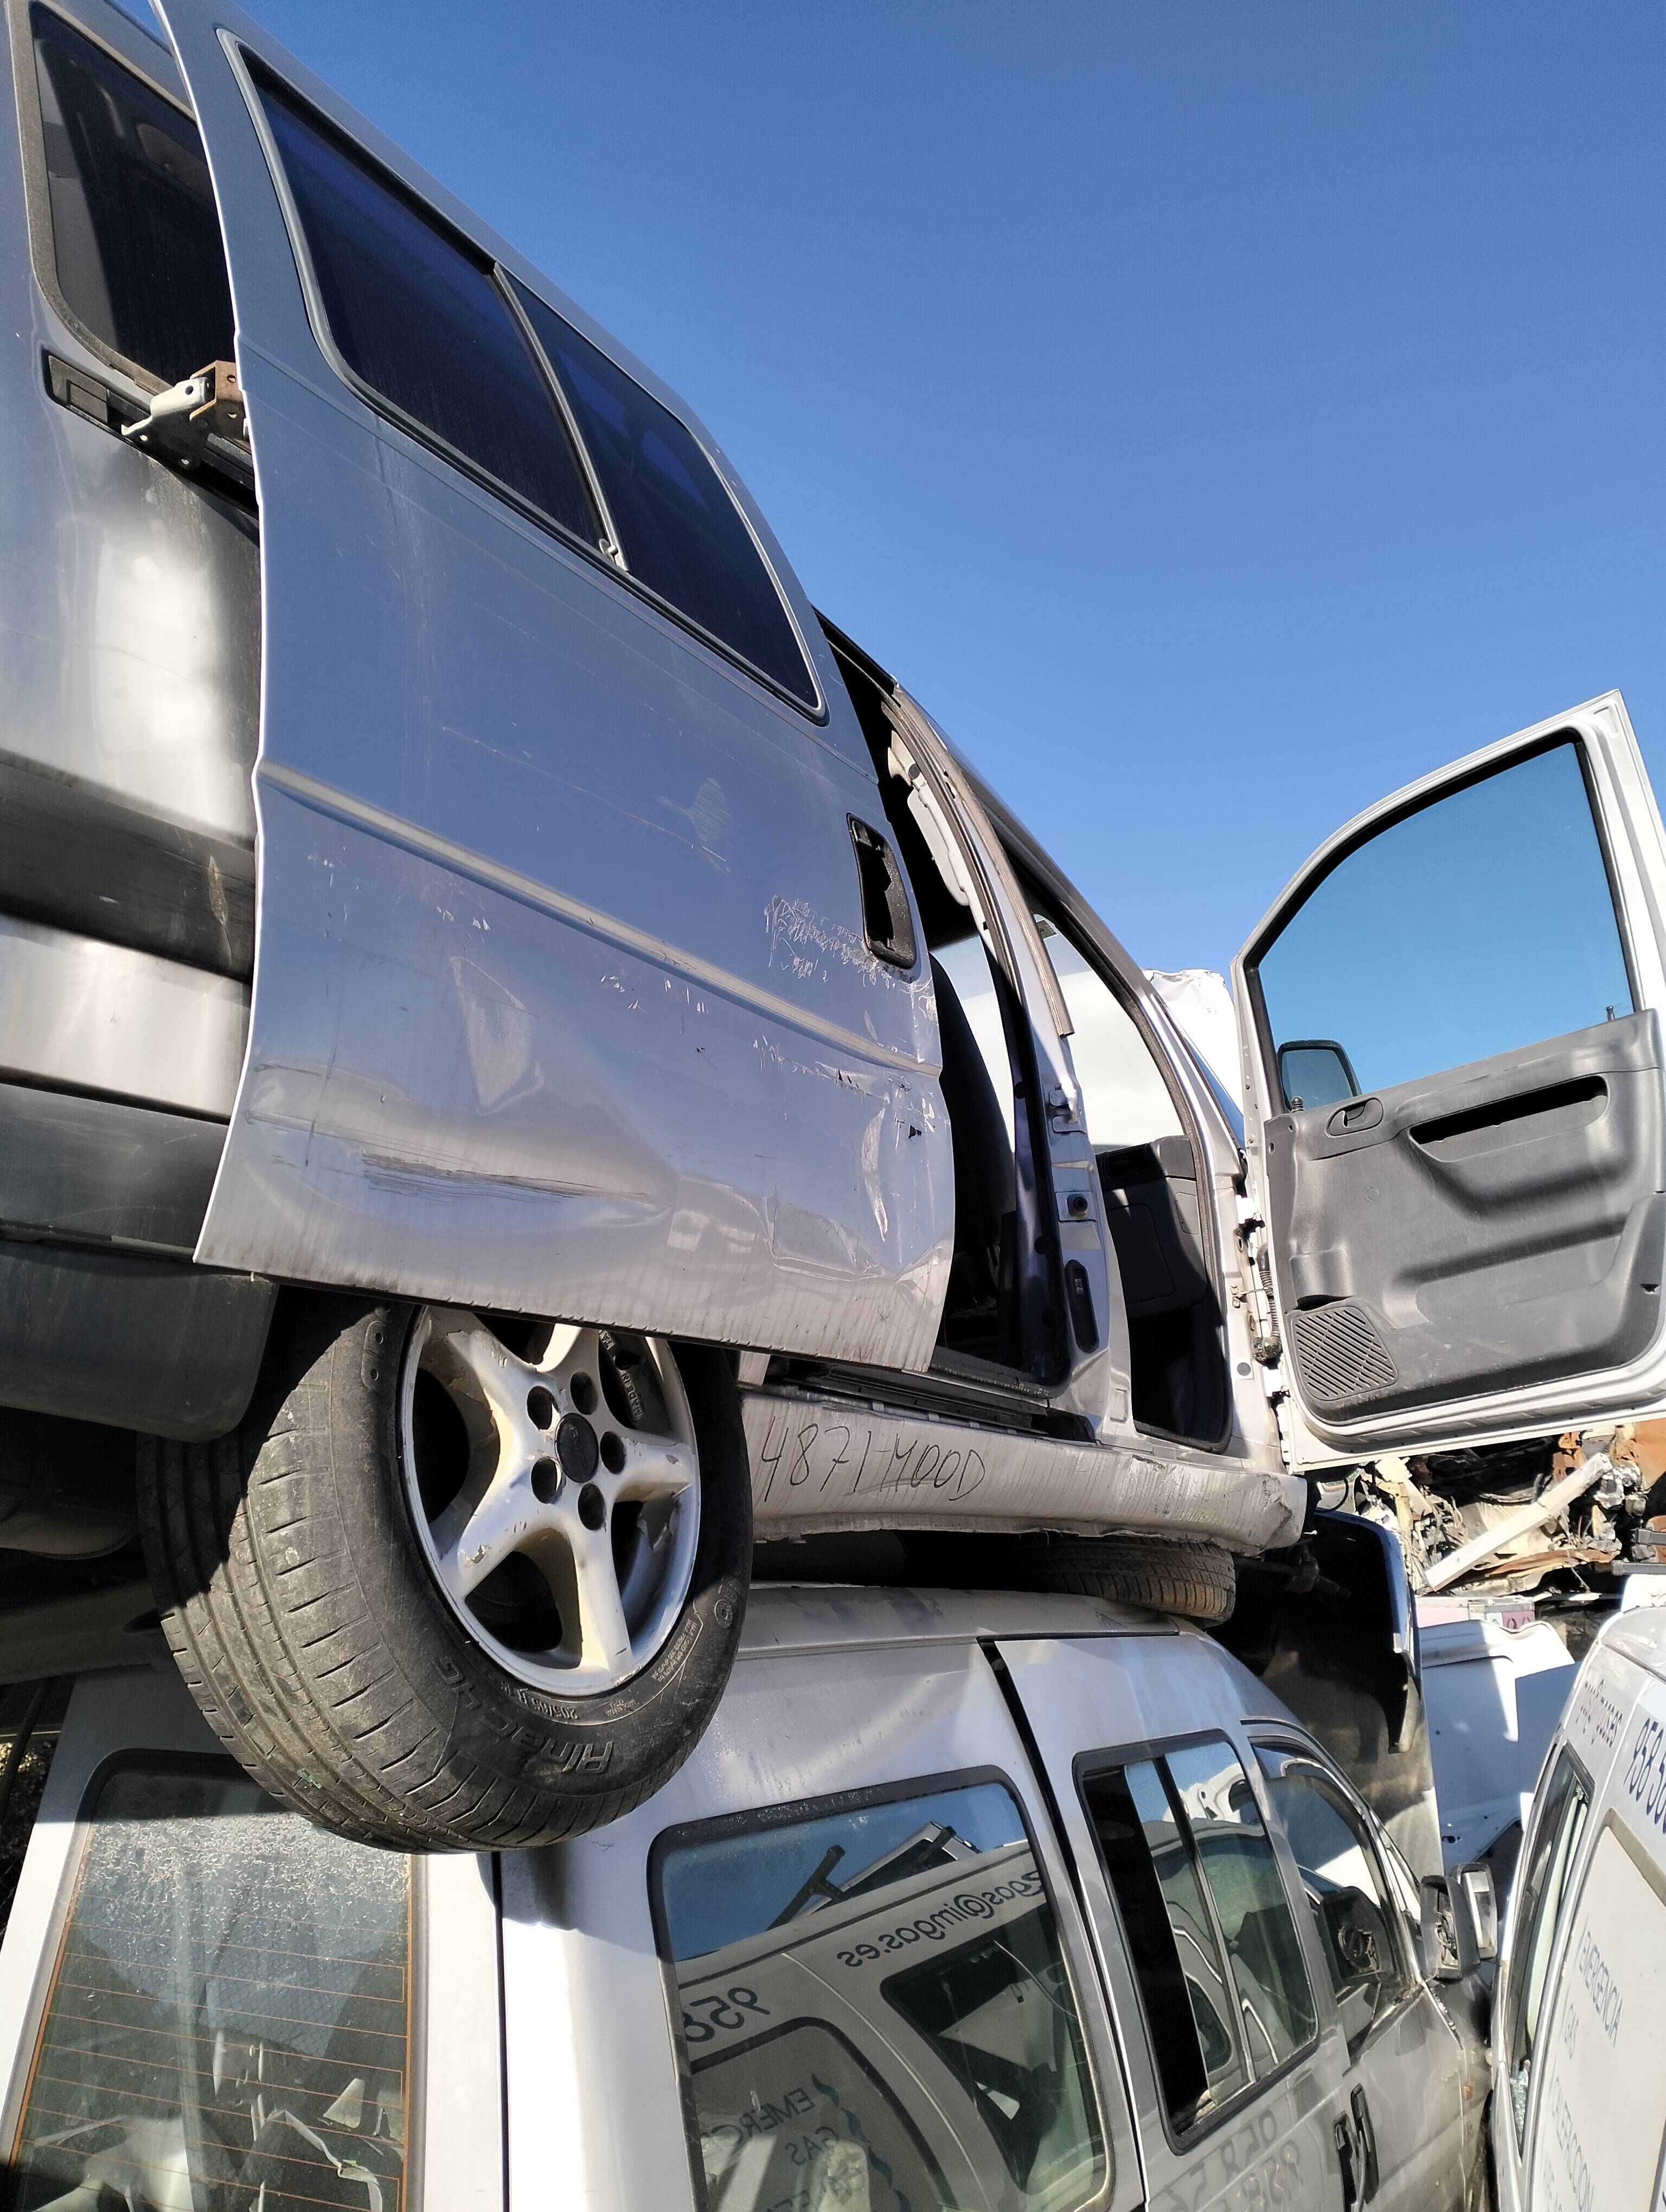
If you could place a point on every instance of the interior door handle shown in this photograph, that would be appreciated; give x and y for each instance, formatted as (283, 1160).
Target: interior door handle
(1358, 1114)
(1344, 2136)
(1367, 2146)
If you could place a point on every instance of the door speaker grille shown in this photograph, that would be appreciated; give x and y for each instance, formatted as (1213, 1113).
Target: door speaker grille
(1341, 1355)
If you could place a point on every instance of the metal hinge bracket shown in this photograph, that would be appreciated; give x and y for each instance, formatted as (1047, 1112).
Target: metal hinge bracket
(184, 418)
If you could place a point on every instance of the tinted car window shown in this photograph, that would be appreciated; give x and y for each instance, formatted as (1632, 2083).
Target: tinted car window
(418, 317)
(1275, 2004)
(228, 2014)
(1171, 1939)
(874, 2012)
(681, 533)
(1347, 1890)
(1431, 944)
(136, 236)
(1208, 1926)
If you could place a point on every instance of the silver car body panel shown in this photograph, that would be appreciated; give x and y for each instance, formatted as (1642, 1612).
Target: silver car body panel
(834, 1691)
(1611, 1729)
(562, 999)
(88, 1016)
(544, 2051)
(130, 604)
(825, 1463)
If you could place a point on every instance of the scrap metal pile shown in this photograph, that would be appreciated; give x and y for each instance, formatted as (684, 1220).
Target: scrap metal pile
(1560, 1513)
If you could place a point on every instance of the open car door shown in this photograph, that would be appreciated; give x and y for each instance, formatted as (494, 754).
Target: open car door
(1455, 1127)
(585, 983)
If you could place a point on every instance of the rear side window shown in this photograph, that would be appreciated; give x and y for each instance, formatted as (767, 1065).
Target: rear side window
(874, 2011)
(418, 317)
(1347, 1890)
(228, 2017)
(679, 531)
(1208, 1925)
(1561, 1823)
(136, 236)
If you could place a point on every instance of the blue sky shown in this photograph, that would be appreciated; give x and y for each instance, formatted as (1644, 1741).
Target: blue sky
(1216, 415)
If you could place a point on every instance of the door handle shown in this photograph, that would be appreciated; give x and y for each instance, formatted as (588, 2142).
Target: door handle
(1344, 2135)
(1367, 2136)
(1358, 1114)
(886, 920)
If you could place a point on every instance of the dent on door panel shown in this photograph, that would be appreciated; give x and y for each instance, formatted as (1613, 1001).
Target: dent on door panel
(1505, 1222)
(462, 1096)
(563, 1000)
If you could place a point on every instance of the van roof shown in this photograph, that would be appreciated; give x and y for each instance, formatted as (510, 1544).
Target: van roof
(798, 1617)
(1639, 1636)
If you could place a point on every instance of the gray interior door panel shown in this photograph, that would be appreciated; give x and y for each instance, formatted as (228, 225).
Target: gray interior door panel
(1456, 1103)
(1503, 1222)
(565, 998)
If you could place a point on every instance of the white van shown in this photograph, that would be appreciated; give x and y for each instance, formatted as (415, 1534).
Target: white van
(1579, 2107)
(528, 1061)
(1001, 1903)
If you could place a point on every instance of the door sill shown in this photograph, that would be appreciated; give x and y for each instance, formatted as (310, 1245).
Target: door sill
(956, 1386)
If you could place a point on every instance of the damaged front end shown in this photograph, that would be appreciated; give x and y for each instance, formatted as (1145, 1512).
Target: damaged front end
(1563, 1519)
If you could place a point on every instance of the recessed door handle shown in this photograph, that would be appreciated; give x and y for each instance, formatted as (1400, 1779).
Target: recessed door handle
(1343, 2134)
(1367, 2146)
(886, 920)
(1358, 1114)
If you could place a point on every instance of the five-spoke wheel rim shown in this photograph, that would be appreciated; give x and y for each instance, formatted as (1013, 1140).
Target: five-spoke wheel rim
(553, 1480)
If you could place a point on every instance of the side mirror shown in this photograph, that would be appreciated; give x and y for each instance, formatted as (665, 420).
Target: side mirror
(1315, 1072)
(1460, 1922)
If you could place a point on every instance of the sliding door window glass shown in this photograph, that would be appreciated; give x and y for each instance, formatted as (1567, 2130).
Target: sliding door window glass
(135, 235)
(1275, 2004)
(875, 2012)
(1561, 1825)
(1352, 1906)
(229, 2012)
(418, 317)
(681, 533)
(1208, 1926)
(1171, 1939)
(1481, 923)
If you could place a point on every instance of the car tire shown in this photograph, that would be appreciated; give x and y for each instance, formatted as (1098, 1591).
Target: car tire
(1190, 1576)
(312, 1570)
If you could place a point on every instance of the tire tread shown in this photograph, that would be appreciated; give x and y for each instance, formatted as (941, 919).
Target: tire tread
(282, 1652)
(1193, 1577)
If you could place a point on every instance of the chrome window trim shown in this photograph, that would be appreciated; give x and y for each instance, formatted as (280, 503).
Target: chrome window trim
(611, 558)
(37, 196)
